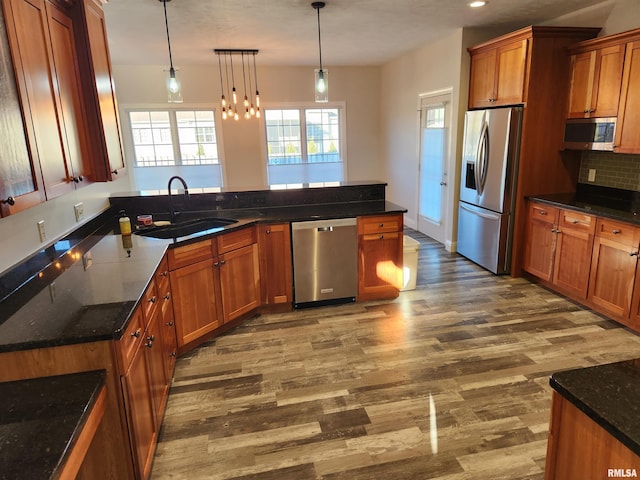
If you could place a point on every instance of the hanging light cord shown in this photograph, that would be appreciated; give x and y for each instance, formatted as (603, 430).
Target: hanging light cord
(220, 68)
(166, 24)
(318, 6)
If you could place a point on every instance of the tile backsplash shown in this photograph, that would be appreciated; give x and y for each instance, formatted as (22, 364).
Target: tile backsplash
(612, 170)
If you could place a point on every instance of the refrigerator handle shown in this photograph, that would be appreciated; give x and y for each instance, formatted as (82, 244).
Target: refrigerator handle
(482, 158)
(487, 216)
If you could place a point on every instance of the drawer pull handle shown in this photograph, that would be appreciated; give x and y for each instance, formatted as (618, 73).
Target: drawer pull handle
(615, 232)
(633, 254)
(136, 334)
(575, 222)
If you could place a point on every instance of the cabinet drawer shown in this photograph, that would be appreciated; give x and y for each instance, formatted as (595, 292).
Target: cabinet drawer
(149, 300)
(544, 213)
(618, 231)
(373, 237)
(236, 239)
(130, 340)
(379, 224)
(577, 221)
(162, 277)
(189, 254)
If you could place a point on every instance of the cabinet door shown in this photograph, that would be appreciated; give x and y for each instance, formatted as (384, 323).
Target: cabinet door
(541, 241)
(107, 133)
(67, 70)
(140, 413)
(195, 291)
(607, 80)
(275, 263)
(379, 265)
(239, 281)
(573, 261)
(581, 87)
(153, 343)
(28, 30)
(613, 270)
(628, 128)
(18, 177)
(510, 76)
(482, 79)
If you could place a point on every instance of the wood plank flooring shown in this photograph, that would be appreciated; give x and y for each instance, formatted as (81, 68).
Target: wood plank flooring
(448, 382)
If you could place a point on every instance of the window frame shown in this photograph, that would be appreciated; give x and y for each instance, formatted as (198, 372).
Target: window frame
(302, 107)
(127, 132)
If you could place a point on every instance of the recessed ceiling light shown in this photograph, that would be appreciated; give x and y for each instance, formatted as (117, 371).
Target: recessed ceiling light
(477, 4)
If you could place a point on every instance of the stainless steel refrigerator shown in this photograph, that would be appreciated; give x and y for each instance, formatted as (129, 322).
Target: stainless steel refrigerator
(488, 186)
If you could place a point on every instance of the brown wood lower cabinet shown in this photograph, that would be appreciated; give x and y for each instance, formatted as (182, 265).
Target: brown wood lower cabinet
(274, 242)
(579, 448)
(213, 282)
(380, 252)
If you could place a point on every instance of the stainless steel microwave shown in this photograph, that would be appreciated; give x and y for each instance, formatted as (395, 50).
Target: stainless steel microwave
(589, 133)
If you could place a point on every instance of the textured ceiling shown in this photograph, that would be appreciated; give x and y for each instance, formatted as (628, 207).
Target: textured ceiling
(354, 32)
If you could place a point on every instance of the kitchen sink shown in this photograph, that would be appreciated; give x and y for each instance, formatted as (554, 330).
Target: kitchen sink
(182, 229)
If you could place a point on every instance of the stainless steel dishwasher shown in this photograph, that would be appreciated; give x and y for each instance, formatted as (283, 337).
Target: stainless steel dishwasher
(325, 261)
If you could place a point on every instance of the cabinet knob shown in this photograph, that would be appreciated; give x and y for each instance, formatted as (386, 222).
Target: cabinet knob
(115, 172)
(575, 222)
(633, 254)
(381, 225)
(164, 274)
(136, 334)
(268, 232)
(216, 264)
(10, 200)
(167, 296)
(222, 262)
(77, 179)
(381, 237)
(152, 299)
(169, 324)
(173, 354)
(543, 212)
(615, 232)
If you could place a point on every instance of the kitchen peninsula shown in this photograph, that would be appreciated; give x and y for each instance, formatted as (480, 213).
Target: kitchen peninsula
(98, 300)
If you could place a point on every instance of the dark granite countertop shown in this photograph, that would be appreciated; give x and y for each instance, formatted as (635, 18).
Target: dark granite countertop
(605, 202)
(40, 421)
(96, 277)
(608, 394)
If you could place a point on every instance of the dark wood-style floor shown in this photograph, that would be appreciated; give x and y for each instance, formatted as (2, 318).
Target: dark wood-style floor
(449, 381)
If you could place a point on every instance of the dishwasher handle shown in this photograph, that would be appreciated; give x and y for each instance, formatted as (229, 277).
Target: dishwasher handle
(325, 229)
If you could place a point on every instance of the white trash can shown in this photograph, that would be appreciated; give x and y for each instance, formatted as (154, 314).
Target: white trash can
(410, 262)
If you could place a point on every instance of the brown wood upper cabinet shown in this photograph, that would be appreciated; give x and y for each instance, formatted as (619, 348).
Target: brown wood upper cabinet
(63, 84)
(498, 73)
(605, 82)
(596, 76)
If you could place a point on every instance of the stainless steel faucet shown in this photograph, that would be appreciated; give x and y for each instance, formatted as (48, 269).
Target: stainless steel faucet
(172, 212)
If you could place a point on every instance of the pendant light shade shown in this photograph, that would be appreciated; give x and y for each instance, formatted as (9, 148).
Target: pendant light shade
(321, 80)
(174, 90)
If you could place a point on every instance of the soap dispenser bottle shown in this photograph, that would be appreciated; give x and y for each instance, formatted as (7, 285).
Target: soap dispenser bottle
(125, 223)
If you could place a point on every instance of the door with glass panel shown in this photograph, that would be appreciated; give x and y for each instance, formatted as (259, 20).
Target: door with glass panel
(435, 115)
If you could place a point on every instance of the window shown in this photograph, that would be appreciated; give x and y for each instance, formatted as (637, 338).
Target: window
(175, 142)
(304, 147)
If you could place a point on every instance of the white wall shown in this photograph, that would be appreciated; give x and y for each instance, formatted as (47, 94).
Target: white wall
(242, 141)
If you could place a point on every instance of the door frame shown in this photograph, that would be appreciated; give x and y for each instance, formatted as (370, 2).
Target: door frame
(452, 173)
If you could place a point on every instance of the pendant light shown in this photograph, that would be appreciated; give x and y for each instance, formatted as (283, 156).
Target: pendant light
(321, 74)
(174, 91)
(230, 105)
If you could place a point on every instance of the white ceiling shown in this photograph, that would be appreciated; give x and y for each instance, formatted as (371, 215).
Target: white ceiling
(354, 32)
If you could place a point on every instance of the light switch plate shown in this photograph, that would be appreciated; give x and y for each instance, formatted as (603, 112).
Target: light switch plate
(592, 175)
(41, 231)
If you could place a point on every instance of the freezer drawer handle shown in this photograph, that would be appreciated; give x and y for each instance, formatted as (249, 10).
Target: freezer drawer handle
(480, 214)
(325, 229)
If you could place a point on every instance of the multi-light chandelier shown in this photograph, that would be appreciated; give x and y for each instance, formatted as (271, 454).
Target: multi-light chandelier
(249, 106)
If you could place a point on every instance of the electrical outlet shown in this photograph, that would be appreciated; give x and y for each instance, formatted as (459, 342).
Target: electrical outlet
(41, 231)
(592, 175)
(78, 208)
